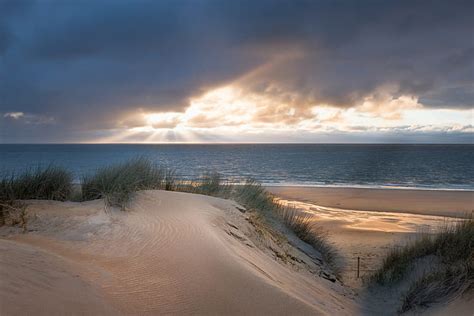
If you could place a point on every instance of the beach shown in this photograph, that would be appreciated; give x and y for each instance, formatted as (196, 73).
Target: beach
(449, 203)
(262, 157)
(366, 223)
(182, 253)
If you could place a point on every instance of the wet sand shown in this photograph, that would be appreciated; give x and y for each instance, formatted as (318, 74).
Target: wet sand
(367, 223)
(425, 202)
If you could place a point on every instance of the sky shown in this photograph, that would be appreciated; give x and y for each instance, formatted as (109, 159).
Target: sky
(236, 71)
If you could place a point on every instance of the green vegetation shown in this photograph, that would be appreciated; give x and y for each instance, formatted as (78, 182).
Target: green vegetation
(439, 285)
(452, 250)
(454, 243)
(209, 184)
(306, 228)
(253, 195)
(51, 183)
(117, 183)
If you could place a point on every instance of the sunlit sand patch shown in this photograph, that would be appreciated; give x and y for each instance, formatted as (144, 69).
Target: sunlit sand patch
(371, 220)
(366, 235)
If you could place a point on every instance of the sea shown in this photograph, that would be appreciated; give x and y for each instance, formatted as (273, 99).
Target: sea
(430, 167)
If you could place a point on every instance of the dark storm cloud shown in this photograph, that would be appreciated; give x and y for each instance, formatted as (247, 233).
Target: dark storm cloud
(88, 64)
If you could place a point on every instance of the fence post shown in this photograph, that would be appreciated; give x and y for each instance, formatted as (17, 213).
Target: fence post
(358, 267)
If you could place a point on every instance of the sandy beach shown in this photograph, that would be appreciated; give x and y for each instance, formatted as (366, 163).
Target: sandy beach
(181, 253)
(366, 223)
(426, 202)
(246, 157)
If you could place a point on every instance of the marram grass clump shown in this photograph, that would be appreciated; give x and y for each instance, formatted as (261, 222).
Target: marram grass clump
(209, 184)
(453, 243)
(253, 195)
(438, 286)
(50, 183)
(306, 228)
(452, 274)
(117, 183)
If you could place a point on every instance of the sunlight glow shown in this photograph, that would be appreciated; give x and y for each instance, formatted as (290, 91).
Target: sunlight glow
(229, 112)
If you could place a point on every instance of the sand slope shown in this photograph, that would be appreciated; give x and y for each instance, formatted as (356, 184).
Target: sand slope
(34, 282)
(170, 253)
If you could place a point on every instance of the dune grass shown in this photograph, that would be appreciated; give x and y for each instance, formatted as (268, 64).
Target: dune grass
(253, 195)
(117, 183)
(453, 248)
(306, 228)
(439, 286)
(50, 183)
(453, 243)
(209, 184)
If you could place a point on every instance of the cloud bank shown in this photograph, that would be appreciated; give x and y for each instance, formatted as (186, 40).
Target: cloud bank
(82, 70)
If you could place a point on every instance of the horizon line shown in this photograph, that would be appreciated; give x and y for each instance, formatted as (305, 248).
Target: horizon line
(238, 143)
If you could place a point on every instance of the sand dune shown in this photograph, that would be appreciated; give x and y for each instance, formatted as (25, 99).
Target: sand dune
(36, 282)
(367, 234)
(170, 253)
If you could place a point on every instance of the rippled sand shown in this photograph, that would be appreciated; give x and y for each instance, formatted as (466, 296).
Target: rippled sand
(169, 253)
(178, 253)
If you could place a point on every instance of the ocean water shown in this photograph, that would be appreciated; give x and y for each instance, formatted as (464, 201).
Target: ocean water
(348, 165)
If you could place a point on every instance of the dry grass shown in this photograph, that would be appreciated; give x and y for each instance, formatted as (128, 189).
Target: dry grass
(209, 184)
(438, 286)
(306, 228)
(117, 183)
(50, 183)
(253, 195)
(452, 246)
(14, 214)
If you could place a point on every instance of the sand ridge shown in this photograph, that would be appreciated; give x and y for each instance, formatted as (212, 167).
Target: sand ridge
(178, 253)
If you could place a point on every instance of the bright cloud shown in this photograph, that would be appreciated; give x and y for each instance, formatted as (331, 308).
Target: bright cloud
(230, 113)
(14, 115)
(197, 71)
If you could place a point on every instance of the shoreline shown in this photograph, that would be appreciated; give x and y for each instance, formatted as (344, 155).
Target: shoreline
(77, 183)
(368, 187)
(450, 203)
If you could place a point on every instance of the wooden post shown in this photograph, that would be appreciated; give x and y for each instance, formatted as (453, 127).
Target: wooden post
(358, 267)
